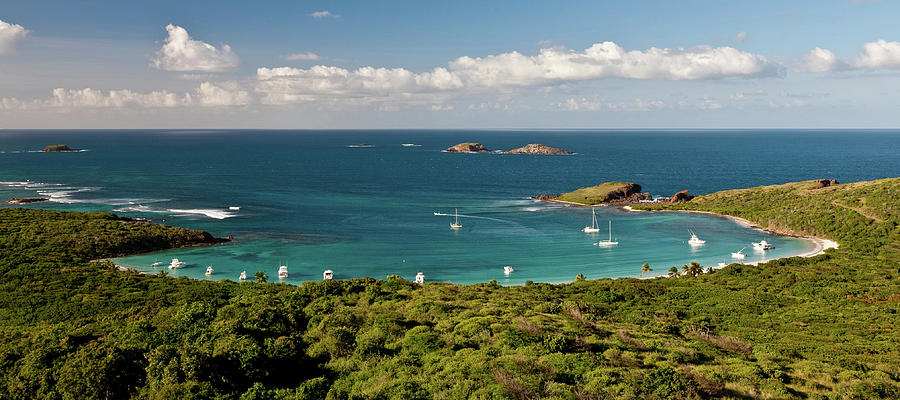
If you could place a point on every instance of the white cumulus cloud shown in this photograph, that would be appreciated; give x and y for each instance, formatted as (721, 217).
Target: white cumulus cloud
(740, 37)
(323, 14)
(550, 67)
(181, 53)
(308, 56)
(10, 34)
(206, 95)
(879, 54)
(822, 60)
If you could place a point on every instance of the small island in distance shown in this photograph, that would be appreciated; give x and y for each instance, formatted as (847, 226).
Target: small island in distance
(531, 148)
(57, 148)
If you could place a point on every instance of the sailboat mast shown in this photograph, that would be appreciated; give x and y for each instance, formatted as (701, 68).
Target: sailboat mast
(610, 231)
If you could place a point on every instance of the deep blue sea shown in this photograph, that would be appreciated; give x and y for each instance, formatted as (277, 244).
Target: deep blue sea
(309, 201)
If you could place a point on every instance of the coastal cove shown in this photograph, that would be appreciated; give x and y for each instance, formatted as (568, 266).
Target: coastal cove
(306, 200)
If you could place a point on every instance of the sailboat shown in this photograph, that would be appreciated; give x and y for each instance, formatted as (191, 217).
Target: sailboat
(282, 272)
(739, 254)
(456, 225)
(243, 276)
(593, 228)
(609, 242)
(695, 241)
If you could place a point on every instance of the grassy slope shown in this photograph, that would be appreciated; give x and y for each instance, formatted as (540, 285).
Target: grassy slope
(798, 328)
(592, 194)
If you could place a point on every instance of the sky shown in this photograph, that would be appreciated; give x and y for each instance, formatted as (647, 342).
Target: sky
(449, 65)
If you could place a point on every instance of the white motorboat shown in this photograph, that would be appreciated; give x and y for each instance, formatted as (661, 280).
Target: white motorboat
(739, 254)
(762, 245)
(243, 276)
(409, 145)
(156, 264)
(328, 275)
(695, 241)
(508, 270)
(234, 208)
(176, 263)
(608, 242)
(282, 272)
(420, 278)
(593, 228)
(209, 270)
(456, 225)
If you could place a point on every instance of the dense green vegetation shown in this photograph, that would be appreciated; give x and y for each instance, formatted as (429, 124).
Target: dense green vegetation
(600, 194)
(817, 328)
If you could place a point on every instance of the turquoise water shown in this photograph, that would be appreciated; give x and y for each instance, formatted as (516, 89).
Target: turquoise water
(309, 201)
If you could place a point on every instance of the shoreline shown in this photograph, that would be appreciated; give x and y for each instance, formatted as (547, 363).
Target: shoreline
(820, 244)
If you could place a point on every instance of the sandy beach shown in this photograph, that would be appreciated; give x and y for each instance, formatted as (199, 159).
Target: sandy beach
(820, 244)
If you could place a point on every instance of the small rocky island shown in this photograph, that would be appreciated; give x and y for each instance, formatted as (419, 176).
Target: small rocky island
(468, 147)
(533, 148)
(17, 200)
(537, 148)
(612, 193)
(55, 148)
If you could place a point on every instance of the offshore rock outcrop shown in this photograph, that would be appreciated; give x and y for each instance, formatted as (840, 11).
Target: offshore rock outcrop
(17, 200)
(468, 147)
(537, 148)
(53, 148)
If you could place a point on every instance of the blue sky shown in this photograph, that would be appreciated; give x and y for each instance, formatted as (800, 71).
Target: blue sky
(465, 64)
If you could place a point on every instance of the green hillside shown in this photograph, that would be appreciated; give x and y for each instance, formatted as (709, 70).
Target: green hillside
(817, 328)
(601, 193)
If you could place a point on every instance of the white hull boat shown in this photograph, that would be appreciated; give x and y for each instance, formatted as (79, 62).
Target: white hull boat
(209, 270)
(695, 241)
(762, 246)
(456, 225)
(508, 270)
(593, 228)
(609, 242)
(282, 272)
(176, 263)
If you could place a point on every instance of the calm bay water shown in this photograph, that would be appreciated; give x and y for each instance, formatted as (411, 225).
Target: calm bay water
(309, 201)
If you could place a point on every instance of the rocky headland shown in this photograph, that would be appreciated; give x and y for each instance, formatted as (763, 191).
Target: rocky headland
(612, 194)
(17, 200)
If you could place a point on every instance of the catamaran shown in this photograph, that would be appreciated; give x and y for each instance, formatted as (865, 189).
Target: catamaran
(328, 275)
(456, 225)
(762, 245)
(176, 263)
(243, 276)
(282, 272)
(695, 241)
(739, 254)
(209, 270)
(593, 228)
(609, 242)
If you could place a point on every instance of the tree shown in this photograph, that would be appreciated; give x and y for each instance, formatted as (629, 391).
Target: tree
(694, 268)
(579, 277)
(261, 276)
(673, 272)
(645, 269)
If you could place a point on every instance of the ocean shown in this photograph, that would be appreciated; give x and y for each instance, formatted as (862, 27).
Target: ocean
(311, 201)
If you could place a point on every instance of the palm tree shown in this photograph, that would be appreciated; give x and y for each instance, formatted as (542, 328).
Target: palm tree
(685, 269)
(673, 272)
(645, 269)
(694, 269)
(579, 277)
(261, 276)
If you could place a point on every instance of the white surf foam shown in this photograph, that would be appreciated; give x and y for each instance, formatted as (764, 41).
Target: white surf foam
(211, 213)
